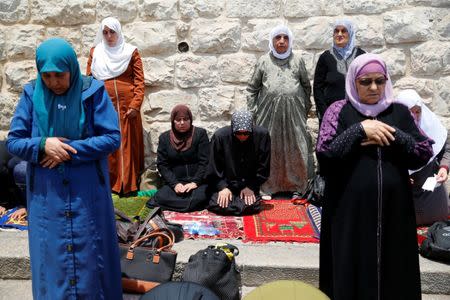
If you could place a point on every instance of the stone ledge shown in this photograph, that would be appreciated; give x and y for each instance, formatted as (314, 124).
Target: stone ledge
(259, 263)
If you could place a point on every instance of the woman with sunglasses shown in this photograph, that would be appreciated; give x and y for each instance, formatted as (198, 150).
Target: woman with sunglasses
(239, 164)
(279, 97)
(119, 65)
(332, 66)
(183, 154)
(367, 143)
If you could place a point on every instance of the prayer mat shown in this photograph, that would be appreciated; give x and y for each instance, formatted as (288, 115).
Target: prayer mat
(7, 222)
(280, 220)
(207, 225)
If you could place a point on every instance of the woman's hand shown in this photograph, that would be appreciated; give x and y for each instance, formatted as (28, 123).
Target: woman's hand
(179, 188)
(131, 113)
(248, 196)
(190, 187)
(224, 197)
(2, 210)
(378, 133)
(442, 175)
(18, 213)
(56, 151)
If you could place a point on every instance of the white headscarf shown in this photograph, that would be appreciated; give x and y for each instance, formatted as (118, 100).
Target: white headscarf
(109, 62)
(429, 122)
(281, 29)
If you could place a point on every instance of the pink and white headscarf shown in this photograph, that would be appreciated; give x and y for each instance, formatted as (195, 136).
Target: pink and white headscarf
(363, 64)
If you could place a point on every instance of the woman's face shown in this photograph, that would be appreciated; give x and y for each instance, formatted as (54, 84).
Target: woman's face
(242, 135)
(182, 123)
(57, 82)
(281, 43)
(340, 36)
(417, 112)
(370, 87)
(110, 36)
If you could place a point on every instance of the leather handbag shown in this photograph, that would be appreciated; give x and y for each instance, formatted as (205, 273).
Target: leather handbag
(144, 267)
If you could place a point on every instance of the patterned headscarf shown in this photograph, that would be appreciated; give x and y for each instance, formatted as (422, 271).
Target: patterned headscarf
(181, 141)
(242, 121)
(281, 29)
(58, 115)
(357, 69)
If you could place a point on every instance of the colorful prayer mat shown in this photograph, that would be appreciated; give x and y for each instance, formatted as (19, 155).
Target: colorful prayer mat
(280, 220)
(7, 222)
(206, 225)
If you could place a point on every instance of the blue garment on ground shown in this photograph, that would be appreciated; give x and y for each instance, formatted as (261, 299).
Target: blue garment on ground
(73, 242)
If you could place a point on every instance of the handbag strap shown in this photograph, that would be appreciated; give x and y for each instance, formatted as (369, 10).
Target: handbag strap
(158, 233)
(141, 228)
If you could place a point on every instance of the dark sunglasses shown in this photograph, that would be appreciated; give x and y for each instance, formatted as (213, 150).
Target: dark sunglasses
(244, 133)
(369, 81)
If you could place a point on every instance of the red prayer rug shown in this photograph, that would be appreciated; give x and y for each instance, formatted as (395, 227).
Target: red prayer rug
(207, 225)
(280, 220)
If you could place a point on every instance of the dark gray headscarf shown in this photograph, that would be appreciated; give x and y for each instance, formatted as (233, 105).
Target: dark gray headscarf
(242, 120)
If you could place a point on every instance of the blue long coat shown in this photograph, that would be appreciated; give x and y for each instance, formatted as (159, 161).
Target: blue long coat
(73, 243)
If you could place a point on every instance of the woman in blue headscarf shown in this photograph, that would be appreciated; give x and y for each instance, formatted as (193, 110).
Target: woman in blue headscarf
(332, 66)
(65, 126)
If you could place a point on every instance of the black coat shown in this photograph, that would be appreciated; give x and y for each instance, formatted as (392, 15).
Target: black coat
(186, 166)
(368, 242)
(236, 164)
(329, 84)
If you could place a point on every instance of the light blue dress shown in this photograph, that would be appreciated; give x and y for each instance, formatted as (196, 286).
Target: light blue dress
(73, 243)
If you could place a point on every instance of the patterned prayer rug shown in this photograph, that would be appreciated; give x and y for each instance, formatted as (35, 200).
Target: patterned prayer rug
(8, 223)
(207, 225)
(280, 220)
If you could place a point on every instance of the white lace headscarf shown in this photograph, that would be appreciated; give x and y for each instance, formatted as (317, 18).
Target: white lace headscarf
(281, 29)
(109, 62)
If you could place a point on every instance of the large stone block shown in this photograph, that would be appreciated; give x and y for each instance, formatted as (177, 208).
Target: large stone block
(22, 40)
(442, 25)
(253, 8)
(310, 63)
(332, 8)
(369, 31)
(314, 33)
(236, 68)
(215, 36)
(435, 3)
(408, 25)
(152, 37)
(159, 72)
(12, 11)
(124, 10)
(3, 44)
(70, 35)
(369, 7)
(441, 97)
(255, 36)
(159, 105)
(158, 9)
(196, 71)
(302, 9)
(395, 60)
(88, 34)
(216, 103)
(240, 98)
(19, 73)
(422, 86)
(8, 103)
(428, 58)
(191, 9)
(57, 12)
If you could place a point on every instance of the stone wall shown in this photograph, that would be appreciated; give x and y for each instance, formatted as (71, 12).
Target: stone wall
(225, 39)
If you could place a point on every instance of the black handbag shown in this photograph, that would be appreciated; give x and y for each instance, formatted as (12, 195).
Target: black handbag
(315, 190)
(215, 268)
(144, 267)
